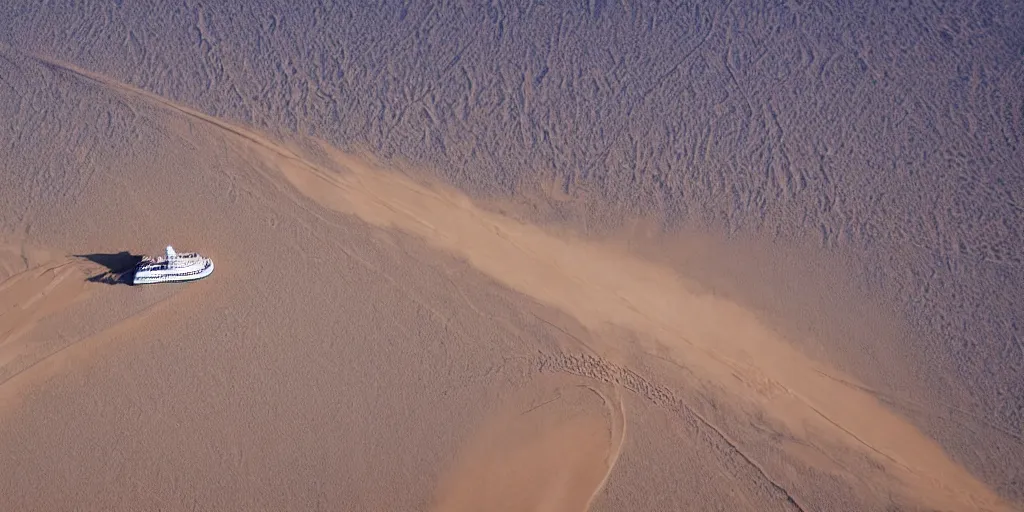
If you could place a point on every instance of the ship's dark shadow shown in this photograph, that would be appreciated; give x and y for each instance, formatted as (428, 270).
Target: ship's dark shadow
(120, 267)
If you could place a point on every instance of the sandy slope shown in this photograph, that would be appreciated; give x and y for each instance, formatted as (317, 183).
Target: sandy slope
(373, 341)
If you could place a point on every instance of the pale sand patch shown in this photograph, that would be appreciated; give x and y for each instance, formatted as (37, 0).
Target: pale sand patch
(550, 449)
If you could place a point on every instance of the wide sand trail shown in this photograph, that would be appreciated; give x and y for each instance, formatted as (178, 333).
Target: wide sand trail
(601, 287)
(368, 332)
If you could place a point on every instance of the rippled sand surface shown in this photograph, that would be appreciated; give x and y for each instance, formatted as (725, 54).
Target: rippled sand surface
(513, 257)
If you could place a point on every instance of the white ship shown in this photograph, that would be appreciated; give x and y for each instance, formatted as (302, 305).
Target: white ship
(173, 267)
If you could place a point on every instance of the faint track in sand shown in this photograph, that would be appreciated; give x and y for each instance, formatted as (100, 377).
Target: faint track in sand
(13, 389)
(29, 297)
(126, 89)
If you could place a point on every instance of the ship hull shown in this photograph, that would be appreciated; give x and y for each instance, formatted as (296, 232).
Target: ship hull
(173, 275)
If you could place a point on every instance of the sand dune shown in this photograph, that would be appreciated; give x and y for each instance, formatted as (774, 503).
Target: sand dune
(376, 338)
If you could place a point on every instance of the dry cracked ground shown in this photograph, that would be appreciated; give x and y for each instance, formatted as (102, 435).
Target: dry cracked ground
(513, 255)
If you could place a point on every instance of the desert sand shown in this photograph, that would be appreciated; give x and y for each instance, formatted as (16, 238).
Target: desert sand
(512, 257)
